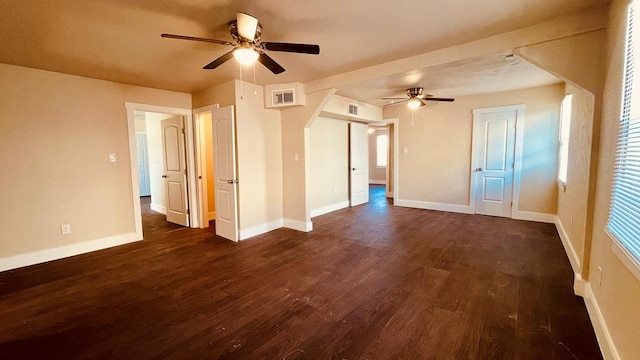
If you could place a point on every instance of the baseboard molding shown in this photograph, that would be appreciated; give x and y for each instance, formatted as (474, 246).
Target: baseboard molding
(298, 225)
(465, 209)
(574, 259)
(390, 194)
(329, 208)
(377, 182)
(579, 285)
(158, 208)
(212, 215)
(260, 229)
(37, 257)
(607, 347)
(534, 216)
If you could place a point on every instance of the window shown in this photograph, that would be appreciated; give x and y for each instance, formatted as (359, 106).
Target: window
(565, 130)
(624, 215)
(382, 145)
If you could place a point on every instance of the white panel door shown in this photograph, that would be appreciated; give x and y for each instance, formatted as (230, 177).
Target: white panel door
(358, 164)
(226, 181)
(494, 140)
(143, 165)
(175, 171)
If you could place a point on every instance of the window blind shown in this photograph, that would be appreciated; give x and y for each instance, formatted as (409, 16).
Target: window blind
(624, 215)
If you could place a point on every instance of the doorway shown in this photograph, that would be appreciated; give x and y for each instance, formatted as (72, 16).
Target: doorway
(495, 160)
(184, 198)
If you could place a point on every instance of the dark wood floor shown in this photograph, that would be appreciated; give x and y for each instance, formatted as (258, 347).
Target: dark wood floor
(371, 282)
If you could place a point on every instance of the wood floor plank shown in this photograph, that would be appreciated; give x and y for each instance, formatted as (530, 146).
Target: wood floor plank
(370, 282)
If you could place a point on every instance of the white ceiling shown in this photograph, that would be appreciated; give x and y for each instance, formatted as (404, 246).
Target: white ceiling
(119, 40)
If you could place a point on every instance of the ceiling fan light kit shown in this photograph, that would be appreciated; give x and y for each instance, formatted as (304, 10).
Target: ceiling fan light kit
(415, 98)
(247, 48)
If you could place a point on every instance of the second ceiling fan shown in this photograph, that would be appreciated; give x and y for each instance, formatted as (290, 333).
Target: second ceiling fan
(247, 48)
(416, 98)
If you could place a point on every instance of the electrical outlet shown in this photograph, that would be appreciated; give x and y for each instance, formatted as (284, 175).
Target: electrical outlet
(65, 229)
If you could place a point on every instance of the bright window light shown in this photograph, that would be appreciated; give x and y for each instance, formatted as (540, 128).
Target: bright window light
(565, 130)
(382, 146)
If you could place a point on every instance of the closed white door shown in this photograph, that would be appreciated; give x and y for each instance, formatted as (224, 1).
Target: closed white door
(226, 181)
(494, 140)
(175, 171)
(143, 165)
(358, 164)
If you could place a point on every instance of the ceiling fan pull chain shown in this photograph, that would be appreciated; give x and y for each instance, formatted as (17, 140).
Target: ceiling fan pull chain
(241, 93)
(412, 112)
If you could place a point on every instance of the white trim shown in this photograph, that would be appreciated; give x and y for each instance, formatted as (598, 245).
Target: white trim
(465, 209)
(533, 216)
(158, 208)
(329, 208)
(211, 215)
(377, 182)
(607, 347)
(260, 229)
(37, 257)
(579, 285)
(390, 194)
(298, 225)
(574, 259)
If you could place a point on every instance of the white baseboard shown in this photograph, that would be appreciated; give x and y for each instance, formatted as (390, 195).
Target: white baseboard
(607, 347)
(574, 259)
(260, 229)
(390, 194)
(212, 215)
(298, 225)
(158, 208)
(377, 182)
(579, 285)
(329, 208)
(533, 216)
(465, 209)
(40, 256)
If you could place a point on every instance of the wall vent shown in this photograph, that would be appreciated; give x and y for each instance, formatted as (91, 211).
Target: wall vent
(283, 97)
(353, 109)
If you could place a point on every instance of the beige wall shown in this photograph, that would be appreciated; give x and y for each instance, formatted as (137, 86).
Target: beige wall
(617, 294)
(56, 131)
(329, 162)
(572, 198)
(376, 174)
(259, 157)
(437, 165)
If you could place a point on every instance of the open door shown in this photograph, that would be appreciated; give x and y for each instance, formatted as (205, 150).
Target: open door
(358, 164)
(175, 170)
(226, 181)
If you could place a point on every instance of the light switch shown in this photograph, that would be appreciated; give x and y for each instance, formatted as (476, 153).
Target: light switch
(405, 150)
(295, 156)
(112, 157)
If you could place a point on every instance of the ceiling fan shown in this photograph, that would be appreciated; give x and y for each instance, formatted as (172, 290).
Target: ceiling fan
(247, 48)
(416, 98)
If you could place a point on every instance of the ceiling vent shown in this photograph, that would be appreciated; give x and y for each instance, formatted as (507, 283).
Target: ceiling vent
(353, 109)
(283, 97)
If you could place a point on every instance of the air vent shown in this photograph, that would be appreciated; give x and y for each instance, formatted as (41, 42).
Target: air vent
(353, 109)
(282, 97)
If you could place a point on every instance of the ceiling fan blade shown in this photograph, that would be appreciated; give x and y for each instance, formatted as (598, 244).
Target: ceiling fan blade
(270, 64)
(290, 47)
(219, 61)
(183, 37)
(396, 102)
(247, 25)
(438, 99)
(394, 98)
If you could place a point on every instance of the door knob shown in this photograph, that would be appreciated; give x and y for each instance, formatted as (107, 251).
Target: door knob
(164, 176)
(353, 169)
(229, 181)
(478, 169)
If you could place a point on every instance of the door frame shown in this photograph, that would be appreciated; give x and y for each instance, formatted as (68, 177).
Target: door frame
(194, 219)
(517, 158)
(198, 123)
